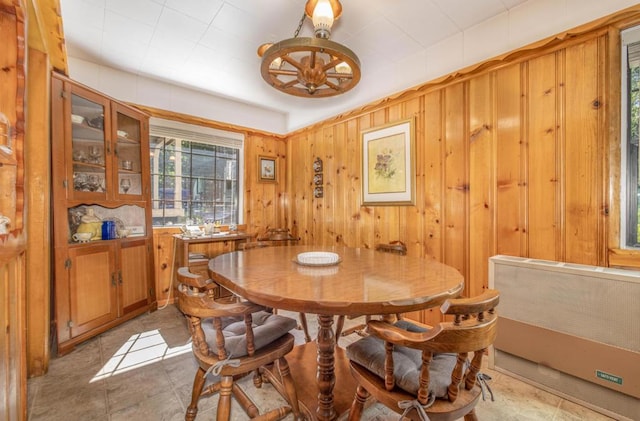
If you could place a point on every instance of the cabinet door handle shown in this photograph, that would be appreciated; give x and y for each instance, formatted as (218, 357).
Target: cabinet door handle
(120, 277)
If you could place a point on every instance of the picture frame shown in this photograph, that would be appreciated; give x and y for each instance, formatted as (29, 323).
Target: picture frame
(267, 169)
(388, 164)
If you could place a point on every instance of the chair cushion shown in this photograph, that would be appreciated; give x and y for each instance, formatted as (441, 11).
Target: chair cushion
(267, 327)
(369, 352)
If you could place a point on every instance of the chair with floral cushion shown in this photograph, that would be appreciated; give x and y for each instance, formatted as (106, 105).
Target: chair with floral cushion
(424, 373)
(231, 340)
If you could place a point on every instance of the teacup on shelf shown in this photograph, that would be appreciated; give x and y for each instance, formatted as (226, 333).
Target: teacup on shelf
(82, 237)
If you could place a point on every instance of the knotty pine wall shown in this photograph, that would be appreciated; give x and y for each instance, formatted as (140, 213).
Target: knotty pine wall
(510, 159)
(518, 155)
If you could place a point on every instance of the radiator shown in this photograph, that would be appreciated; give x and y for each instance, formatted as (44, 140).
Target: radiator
(571, 329)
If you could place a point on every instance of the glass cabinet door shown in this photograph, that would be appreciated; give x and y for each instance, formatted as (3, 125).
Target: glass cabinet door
(89, 147)
(128, 132)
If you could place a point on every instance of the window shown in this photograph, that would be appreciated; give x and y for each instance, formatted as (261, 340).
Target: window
(195, 174)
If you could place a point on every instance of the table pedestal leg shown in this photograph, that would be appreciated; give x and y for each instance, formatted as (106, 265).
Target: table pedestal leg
(326, 372)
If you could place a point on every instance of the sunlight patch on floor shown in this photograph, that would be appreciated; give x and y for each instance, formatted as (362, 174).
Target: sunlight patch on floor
(139, 350)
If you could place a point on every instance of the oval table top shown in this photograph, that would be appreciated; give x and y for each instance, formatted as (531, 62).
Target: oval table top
(363, 282)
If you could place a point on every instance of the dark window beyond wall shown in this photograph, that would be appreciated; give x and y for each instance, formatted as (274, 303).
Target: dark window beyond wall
(193, 182)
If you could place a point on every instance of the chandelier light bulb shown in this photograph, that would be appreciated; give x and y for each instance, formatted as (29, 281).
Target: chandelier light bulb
(343, 68)
(322, 19)
(276, 63)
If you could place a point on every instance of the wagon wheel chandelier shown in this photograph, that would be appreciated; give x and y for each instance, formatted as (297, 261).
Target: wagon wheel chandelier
(311, 67)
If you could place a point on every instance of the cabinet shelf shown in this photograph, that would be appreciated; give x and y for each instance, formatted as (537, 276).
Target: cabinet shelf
(88, 166)
(124, 141)
(85, 132)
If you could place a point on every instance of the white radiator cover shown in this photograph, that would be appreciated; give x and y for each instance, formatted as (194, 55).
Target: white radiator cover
(571, 329)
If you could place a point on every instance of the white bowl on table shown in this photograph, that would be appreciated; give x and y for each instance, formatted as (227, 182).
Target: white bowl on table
(318, 258)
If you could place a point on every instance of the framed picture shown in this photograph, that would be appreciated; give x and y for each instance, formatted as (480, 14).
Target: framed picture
(388, 164)
(317, 179)
(267, 169)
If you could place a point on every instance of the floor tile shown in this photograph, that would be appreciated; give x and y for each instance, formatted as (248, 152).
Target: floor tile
(163, 406)
(124, 390)
(144, 369)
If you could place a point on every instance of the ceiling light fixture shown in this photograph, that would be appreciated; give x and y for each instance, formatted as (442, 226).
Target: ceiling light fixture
(311, 67)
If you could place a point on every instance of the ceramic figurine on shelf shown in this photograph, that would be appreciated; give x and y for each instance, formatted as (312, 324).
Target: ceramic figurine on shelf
(90, 222)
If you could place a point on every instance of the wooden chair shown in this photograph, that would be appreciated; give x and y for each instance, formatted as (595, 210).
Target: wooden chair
(409, 368)
(395, 247)
(267, 242)
(231, 340)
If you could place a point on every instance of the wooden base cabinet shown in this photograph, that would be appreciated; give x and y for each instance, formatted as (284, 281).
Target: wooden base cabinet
(100, 150)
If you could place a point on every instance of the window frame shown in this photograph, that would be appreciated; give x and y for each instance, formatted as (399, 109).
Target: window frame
(205, 135)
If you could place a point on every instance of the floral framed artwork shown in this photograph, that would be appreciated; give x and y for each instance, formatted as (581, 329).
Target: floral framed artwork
(267, 170)
(388, 164)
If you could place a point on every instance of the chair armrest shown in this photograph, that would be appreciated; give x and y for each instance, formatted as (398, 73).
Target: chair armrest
(192, 279)
(478, 304)
(390, 333)
(204, 306)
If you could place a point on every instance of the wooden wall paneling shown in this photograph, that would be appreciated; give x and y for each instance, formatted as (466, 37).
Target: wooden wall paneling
(411, 229)
(281, 197)
(300, 195)
(250, 182)
(164, 255)
(318, 211)
(583, 151)
(433, 191)
(542, 157)
(13, 374)
(353, 186)
(339, 181)
(456, 181)
(326, 222)
(37, 163)
(510, 185)
(481, 135)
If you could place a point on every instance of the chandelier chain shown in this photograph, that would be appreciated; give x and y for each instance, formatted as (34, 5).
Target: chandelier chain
(295, 35)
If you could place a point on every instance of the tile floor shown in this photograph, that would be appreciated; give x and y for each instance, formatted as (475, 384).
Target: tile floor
(142, 370)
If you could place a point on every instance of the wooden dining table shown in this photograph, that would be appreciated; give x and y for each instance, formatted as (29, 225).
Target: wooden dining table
(363, 282)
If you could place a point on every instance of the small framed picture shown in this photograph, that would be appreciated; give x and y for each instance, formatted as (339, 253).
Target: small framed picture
(267, 169)
(318, 192)
(317, 165)
(317, 179)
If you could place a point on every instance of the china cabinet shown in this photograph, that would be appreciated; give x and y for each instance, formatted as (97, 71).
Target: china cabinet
(100, 179)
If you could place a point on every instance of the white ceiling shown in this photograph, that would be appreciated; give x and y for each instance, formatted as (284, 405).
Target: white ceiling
(210, 45)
